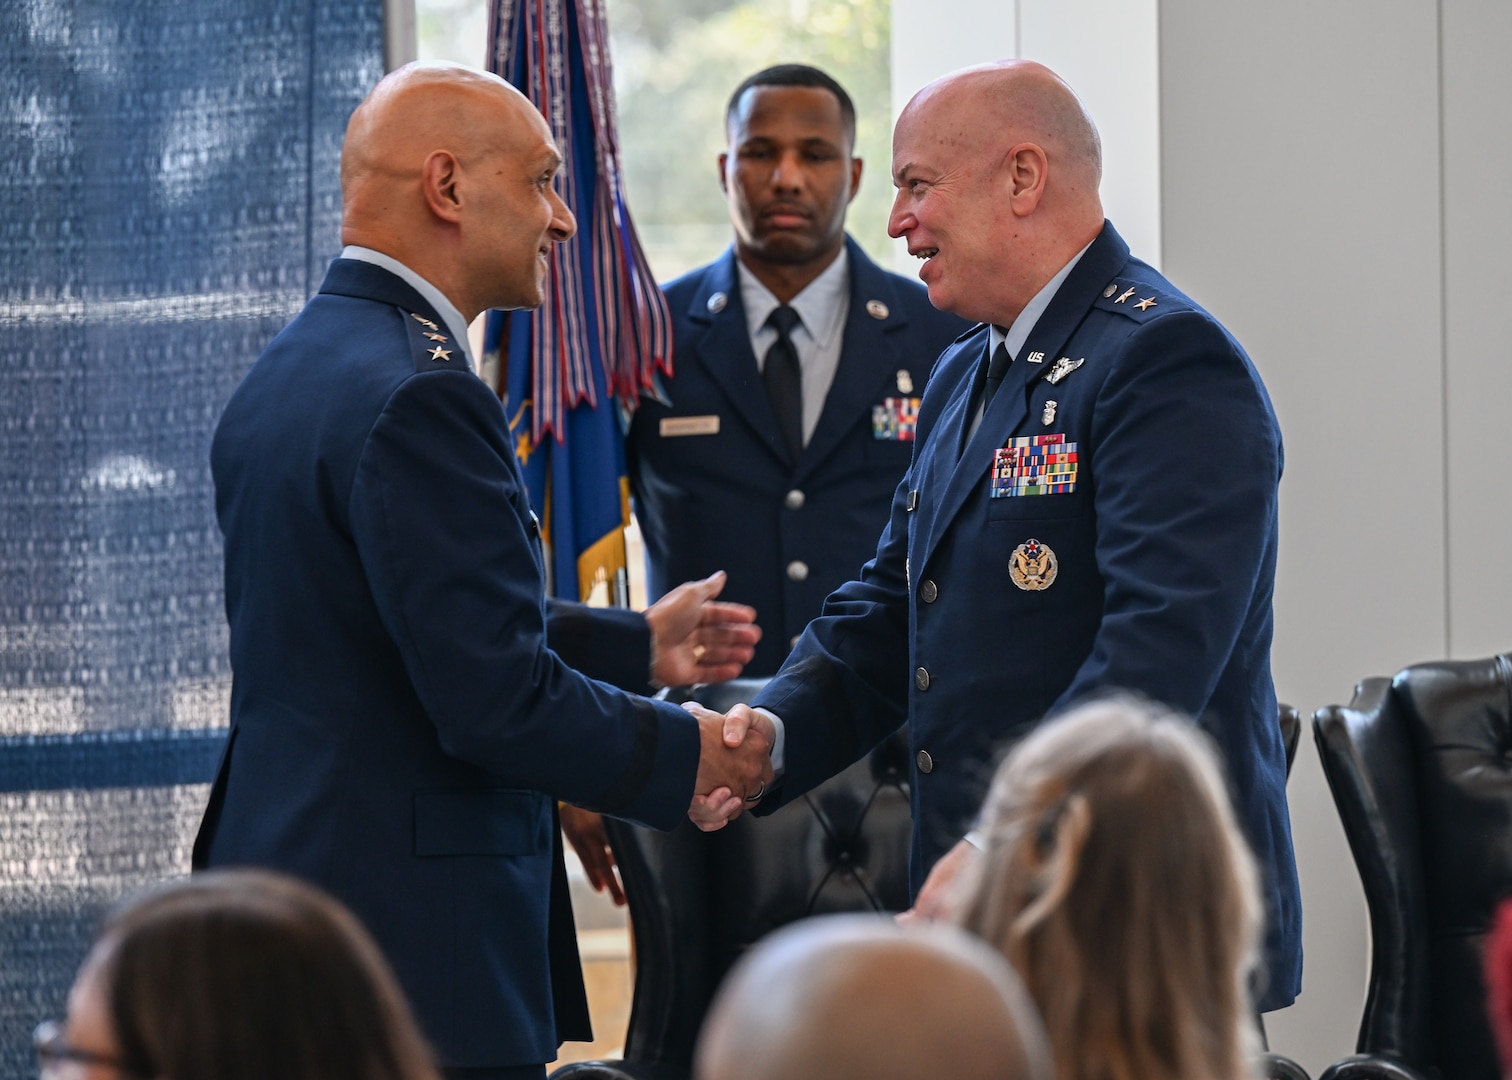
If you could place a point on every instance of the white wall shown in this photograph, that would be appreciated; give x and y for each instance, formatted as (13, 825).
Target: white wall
(1477, 232)
(1330, 179)
(1106, 49)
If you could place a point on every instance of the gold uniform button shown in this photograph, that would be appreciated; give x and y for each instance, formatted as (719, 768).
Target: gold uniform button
(921, 678)
(797, 570)
(794, 500)
(928, 591)
(925, 762)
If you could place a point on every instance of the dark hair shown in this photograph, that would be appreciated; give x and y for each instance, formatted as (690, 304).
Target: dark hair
(797, 75)
(245, 975)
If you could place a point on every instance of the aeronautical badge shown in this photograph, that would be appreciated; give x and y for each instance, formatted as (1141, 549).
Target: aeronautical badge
(1061, 368)
(1032, 566)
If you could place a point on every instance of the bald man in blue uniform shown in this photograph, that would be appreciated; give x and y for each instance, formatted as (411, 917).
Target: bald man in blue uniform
(1092, 504)
(400, 728)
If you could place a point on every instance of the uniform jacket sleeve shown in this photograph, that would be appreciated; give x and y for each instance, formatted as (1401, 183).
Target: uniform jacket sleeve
(467, 613)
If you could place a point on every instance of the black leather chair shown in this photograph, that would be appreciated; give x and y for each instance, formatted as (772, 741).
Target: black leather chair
(1291, 733)
(1420, 773)
(842, 847)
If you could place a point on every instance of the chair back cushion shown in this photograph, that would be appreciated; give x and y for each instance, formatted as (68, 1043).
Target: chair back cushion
(1367, 760)
(1459, 717)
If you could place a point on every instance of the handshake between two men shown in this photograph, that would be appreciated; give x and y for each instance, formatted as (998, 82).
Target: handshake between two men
(697, 638)
(734, 763)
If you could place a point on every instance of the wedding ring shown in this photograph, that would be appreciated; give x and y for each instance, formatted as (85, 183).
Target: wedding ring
(698, 653)
(759, 793)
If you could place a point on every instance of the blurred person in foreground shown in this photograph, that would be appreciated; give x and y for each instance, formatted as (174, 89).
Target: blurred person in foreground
(402, 720)
(1115, 878)
(1498, 974)
(1092, 502)
(235, 975)
(859, 995)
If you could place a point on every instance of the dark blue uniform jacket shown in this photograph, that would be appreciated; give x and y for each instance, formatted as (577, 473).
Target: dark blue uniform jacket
(788, 532)
(399, 727)
(1163, 544)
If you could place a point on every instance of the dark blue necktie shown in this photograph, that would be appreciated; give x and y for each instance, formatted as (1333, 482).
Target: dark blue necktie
(784, 380)
(996, 369)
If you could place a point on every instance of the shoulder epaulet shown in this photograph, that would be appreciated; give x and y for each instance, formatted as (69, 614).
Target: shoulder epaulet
(1138, 300)
(431, 348)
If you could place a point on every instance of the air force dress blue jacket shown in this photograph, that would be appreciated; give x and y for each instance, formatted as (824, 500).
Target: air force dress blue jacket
(715, 489)
(1110, 524)
(399, 727)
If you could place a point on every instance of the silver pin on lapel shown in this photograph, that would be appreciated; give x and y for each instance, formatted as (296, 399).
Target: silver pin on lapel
(1063, 367)
(717, 303)
(1048, 416)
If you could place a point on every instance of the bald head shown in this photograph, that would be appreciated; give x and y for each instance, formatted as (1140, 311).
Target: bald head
(995, 106)
(997, 169)
(860, 996)
(431, 158)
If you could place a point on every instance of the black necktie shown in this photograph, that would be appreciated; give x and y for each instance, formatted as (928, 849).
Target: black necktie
(784, 380)
(995, 372)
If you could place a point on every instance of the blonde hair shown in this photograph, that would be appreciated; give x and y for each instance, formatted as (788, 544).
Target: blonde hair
(1116, 880)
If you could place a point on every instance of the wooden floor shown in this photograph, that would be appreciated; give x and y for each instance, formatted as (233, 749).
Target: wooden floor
(604, 942)
(603, 929)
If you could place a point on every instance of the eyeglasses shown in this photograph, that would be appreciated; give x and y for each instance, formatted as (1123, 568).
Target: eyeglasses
(54, 1053)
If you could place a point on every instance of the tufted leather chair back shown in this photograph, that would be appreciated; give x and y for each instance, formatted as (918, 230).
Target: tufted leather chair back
(699, 900)
(1420, 771)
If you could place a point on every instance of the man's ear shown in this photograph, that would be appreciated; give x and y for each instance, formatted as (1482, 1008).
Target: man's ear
(855, 178)
(1026, 169)
(724, 185)
(439, 179)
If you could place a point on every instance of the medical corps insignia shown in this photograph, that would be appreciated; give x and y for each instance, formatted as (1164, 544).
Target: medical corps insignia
(1032, 566)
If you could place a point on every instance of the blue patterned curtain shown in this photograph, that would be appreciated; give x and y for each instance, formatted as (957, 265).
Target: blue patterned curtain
(168, 200)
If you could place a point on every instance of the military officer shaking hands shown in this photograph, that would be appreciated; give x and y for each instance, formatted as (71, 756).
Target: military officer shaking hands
(1091, 504)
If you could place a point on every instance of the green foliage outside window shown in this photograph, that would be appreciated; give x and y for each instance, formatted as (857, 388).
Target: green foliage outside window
(675, 63)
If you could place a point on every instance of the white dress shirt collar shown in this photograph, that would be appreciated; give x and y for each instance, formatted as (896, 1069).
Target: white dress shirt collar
(444, 307)
(822, 305)
(1017, 334)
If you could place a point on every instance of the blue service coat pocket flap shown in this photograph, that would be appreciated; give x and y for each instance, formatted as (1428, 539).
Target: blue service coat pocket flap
(487, 822)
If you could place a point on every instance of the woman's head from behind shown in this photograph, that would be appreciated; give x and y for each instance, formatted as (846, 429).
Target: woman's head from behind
(243, 974)
(1116, 880)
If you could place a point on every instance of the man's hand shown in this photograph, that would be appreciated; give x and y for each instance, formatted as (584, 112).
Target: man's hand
(734, 765)
(938, 896)
(695, 640)
(585, 832)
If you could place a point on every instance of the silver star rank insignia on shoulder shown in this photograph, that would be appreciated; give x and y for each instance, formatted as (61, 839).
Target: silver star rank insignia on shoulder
(423, 321)
(438, 353)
